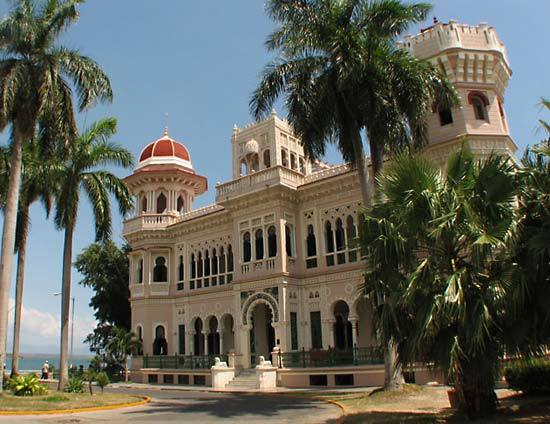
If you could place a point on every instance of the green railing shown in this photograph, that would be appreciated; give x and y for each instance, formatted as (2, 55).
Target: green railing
(190, 362)
(332, 357)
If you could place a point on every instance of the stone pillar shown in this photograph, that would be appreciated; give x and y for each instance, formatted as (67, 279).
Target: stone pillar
(189, 344)
(327, 329)
(243, 335)
(205, 335)
(221, 333)
(353, 331)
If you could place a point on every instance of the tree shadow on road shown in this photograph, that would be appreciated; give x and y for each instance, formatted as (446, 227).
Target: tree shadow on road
(244, 405)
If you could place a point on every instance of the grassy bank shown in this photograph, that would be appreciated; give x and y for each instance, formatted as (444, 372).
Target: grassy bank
(60, 400)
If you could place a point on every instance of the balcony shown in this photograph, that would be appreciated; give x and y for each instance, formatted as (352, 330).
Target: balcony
(277, 175)
(148, 222)
(257, 267)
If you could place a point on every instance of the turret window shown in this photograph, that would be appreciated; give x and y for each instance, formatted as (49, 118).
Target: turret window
(293, 162)
(445, 117)
(259, 244)
(479, 102)
(284, 158)
(161, 203)
(160, 271)
(267, 159)
(180, 204)
(289, 241)
(302, 166)
(247, 248)
(271, 242)
(144, 204)
(139, 278)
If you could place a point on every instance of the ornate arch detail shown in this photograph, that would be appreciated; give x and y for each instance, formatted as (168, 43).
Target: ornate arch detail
(260, 297)
(479, 94)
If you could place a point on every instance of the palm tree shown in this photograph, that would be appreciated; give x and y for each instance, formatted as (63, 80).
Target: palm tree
(81, 173)
(37, 184)
(36, 80)
(341, 71)
(454, 226)
(123, 344)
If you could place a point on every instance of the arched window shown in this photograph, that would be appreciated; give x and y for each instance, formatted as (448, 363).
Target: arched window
(140, 271)
(181, 273)
(284, 159)
(160, 346)
(302, 165)
(229, 258)
(267, 159)
(479, 108)
(351, 231)
(160, 272)
(293, 162)
(271, 242)
(243, 168)
(311, 243)
(180, 205)
(199, 265)
(193, 267)
(259, 244)
(206, 263)
(144, 203)
(247, 250)
(161, 203)
(328, 237)
(214, 262)
(445, 117)
(339, 235)
(254, 163)
(288, 240)
(222, 261)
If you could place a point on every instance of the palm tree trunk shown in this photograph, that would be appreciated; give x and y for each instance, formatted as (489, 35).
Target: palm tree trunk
(8, 241)
(65, 306)
(362, 171)
(393, 371)
(21, 254)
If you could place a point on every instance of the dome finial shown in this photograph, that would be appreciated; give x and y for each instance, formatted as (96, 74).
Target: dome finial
(165, 132)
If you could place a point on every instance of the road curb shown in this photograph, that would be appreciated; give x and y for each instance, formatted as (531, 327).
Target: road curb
(145, 400)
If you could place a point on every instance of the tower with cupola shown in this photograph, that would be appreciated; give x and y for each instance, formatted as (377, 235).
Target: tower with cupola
(164, 182)
(266, 144)
(475, 60)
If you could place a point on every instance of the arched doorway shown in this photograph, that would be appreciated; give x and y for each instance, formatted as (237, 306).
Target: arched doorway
(198, 338)
(343, 338)
(262, 333)
(160, 345)
(228, 335)
(213, 336)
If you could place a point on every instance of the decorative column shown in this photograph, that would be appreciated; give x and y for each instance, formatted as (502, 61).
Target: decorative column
(243, 337)
(205, 335)
(221, 333)
(353, 322)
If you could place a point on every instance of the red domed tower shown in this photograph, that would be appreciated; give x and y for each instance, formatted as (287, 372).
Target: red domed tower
(164, 183)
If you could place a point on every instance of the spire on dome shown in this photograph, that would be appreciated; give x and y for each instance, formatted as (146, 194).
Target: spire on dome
(165, 132)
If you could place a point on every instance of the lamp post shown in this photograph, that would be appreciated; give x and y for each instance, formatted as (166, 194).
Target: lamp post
(72, 328)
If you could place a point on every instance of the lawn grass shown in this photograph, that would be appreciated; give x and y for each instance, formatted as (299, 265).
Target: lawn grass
(54, 400)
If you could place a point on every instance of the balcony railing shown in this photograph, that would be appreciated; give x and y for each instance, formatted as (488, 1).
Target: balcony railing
(331, 357)
(188, 362)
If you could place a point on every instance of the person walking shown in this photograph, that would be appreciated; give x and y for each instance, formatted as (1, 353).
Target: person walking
(45, 370)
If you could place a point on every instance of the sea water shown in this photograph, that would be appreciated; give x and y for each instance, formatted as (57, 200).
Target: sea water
(34, 361)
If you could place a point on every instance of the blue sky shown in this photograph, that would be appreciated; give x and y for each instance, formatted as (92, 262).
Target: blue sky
(198, 62)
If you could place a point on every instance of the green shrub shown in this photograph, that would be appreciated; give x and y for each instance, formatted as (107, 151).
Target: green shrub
(531, 376)
(89, 376)
(102, 379)
(75, 385)
(27, 385)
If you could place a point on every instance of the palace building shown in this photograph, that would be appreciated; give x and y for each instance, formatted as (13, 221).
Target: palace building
(273, 262)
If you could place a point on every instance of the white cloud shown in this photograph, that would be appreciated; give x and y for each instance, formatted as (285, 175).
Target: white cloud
(41, 329)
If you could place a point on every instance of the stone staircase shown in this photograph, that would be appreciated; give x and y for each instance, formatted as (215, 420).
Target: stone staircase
(246, 381)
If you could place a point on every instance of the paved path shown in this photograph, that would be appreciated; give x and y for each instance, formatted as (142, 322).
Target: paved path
(201, 407)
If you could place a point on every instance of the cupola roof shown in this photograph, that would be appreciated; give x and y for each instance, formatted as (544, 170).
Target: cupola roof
(165, 151)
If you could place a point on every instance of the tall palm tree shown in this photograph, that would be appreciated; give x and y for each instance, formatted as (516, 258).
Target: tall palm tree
(342, 72)
(455, 226)
(123, 344)
(37, 184)
(82, 172)
(36, 80)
